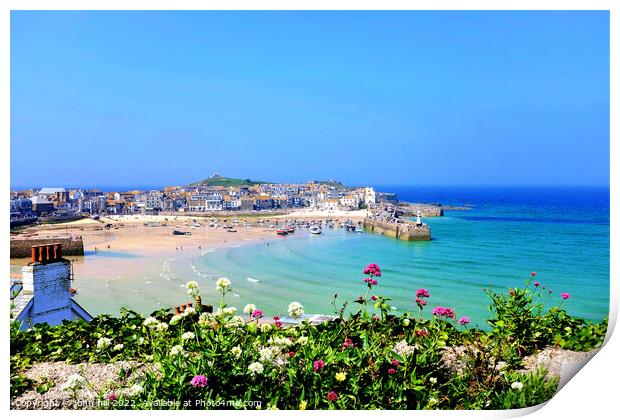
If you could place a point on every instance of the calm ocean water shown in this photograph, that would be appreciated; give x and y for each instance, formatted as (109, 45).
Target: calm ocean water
(560, 233)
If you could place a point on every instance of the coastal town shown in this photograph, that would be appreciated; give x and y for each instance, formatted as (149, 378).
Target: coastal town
(210, 195)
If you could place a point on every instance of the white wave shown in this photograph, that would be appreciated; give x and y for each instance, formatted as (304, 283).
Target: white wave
(206, 252)
(148, 282)
(236, 294)
(252, 280)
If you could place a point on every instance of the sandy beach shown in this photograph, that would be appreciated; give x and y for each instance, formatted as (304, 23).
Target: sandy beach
(152, 235)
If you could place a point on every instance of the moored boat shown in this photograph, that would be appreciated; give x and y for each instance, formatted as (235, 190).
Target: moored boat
(315, 229)
(282, 232)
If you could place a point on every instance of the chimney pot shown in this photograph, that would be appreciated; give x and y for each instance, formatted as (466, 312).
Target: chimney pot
(33, 249)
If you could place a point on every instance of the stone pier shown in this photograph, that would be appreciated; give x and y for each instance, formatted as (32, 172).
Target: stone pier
(406, 231)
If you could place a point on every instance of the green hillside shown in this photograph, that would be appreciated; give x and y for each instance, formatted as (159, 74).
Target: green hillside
(221, 181)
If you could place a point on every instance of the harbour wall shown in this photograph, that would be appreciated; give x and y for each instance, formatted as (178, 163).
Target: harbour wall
(21, 247)
(404, 231)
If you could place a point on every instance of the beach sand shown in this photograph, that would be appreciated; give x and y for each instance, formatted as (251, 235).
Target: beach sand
(128, 233)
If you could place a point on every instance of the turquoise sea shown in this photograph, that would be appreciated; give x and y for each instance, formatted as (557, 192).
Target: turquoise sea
(562, 234)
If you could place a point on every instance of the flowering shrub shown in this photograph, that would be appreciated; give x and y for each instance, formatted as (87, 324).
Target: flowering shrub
(355, 362)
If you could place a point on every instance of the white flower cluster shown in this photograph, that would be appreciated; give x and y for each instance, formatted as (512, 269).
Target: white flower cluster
(192, 289)
(517, 386)
(188, 335)
(228, 311)
(235, 322)
(118, 347)
(236, 351)
(133, 391)
(154, 324)
(295, 310)
(103, 343)
(74, 383)
(303, 340)
(256, 368)
(249, 308)
(223, 285)
(206, 318)
(403, 349)
(190, 310)
(177, 350)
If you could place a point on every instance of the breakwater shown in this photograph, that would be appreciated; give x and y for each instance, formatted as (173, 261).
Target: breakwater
(398, 229)
(21, 247)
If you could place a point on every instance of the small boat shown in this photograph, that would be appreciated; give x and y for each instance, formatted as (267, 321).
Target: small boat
(282, 232)
(290, 229)
(315, 230)
(180, 232)
(231, 230)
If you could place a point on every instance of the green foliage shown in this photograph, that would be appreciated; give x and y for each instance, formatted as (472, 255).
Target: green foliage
(361, 361)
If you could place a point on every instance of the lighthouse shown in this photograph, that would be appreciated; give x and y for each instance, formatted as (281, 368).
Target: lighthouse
(418, 220)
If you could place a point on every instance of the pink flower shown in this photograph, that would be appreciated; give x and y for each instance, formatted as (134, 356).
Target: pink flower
(421, 302)
(111, 396)
(373, 297)
(332, 396)
(347, 343)
(444, 312)
(565, 296)
(257, 313)
(536, 283)
(421, 333)
(375, 317)
(277, 322)
(464, 320)
(550, 291)
(373, 270)
(391, 371)
(199, 381)
(394, 362)
(318, 364)
(291, 353)
(533, 273)
(422, 293)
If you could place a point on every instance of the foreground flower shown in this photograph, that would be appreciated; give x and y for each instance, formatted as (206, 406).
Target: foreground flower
(295, 310)
(517, 385)
(222, 285)
(318, 364)
(565, 296)
(188, 336)
(303, 404)
(422, 293)
(111, 396)
(440, 311)
(332, 396)
(176, 350)
(118, 347)
(199, 381)
(236, 351)
(256, 368)
(257, 313)
(536, 283)
(391, 371)
(464, 320)
(406, 322)
(103, 343)
(134, 390)
(249, 308)
(347, 343)
(341, 376)
(74, 383)
(373, 270)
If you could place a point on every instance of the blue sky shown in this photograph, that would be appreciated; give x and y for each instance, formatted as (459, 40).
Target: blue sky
(381, 98)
